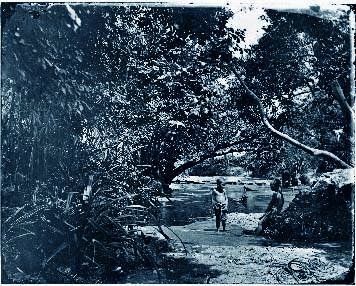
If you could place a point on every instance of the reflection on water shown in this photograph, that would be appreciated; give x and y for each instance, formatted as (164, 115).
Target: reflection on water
(191, 201)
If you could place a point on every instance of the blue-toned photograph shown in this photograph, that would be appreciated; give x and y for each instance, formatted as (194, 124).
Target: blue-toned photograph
(177, 143)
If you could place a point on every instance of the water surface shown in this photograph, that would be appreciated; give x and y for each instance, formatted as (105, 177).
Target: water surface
(192, 198)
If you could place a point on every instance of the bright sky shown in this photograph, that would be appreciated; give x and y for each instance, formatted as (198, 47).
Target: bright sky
(249, 18)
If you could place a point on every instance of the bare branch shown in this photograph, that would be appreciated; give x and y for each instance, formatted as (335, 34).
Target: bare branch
(312, 151)
(340, 97)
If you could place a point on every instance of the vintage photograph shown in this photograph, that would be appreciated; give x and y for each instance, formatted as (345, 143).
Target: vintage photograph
(170, 143)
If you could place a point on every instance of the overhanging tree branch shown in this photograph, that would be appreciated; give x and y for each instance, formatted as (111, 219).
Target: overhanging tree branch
(312, 151)
(218, 151)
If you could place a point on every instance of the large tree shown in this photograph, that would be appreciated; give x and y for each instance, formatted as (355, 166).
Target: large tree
(111, 99)
(300, 70)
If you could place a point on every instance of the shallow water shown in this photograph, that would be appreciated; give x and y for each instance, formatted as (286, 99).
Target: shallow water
(192, 198)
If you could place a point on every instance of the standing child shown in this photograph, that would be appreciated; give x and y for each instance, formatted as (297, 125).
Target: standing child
(219, 201)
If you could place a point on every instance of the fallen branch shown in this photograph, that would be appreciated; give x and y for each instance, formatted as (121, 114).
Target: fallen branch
(312, 151)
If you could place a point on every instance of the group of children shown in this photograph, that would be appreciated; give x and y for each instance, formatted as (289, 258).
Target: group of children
(220, 201)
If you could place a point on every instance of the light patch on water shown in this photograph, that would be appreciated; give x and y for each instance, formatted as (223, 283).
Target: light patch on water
(164, 199)
(211, 180)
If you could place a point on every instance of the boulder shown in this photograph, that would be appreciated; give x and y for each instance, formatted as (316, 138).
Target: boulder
(338, 178)
(322, 213)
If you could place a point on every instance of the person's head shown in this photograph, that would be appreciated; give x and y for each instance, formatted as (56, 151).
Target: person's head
(275, 185)
(219, 182)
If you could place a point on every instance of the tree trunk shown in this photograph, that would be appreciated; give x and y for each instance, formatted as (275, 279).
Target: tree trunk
(220, 150)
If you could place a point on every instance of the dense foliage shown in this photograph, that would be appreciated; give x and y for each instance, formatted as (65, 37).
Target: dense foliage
(292, 68)
(102, 106)
(321, 214)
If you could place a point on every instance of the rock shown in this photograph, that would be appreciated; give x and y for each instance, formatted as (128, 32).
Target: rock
(339, 178)
(322, 214)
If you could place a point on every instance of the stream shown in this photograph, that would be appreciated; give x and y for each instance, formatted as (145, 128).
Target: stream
(231, 257)
(192, 198)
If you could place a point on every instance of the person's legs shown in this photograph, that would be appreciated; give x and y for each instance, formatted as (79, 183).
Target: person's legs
(223, 219)
(217, 217)
(223, 223)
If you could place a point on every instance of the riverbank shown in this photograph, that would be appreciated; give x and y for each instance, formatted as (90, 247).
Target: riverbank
(233, 257)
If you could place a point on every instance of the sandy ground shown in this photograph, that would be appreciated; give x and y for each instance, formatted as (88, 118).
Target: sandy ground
(241, 258)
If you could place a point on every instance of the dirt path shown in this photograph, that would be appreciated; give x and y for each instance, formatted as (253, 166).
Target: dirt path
(240, 258)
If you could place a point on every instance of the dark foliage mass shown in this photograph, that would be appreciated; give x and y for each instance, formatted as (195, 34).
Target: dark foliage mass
(103, 106)
(295, 64)
(320, 215)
